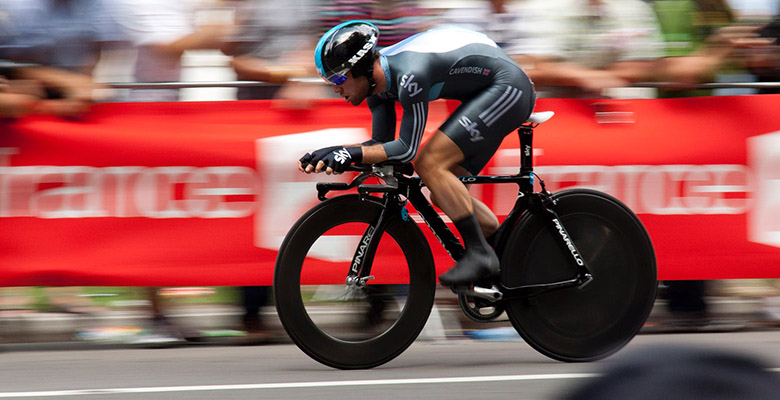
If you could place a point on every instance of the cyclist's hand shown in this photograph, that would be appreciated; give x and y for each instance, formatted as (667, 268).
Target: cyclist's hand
(308, 162)
(338, 160)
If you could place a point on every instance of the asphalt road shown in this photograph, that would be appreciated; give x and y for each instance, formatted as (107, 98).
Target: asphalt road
(454, 369)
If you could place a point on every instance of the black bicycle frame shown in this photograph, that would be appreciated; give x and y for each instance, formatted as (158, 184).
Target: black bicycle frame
(398, 185)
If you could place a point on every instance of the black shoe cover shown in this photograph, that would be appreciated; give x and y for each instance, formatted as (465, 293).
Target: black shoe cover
(474, 266)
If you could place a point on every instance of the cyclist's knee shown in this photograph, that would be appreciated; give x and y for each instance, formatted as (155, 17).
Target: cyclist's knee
(426, 166)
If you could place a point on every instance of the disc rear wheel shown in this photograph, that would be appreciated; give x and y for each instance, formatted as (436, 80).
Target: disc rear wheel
(594, 321)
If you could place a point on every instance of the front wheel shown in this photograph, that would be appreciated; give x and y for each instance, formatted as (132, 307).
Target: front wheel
(591, 322)
(353, 326)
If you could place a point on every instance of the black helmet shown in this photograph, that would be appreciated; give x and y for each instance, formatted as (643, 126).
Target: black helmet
(343, 48)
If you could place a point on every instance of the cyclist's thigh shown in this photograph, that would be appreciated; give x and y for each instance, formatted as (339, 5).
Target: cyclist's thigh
(480, 124)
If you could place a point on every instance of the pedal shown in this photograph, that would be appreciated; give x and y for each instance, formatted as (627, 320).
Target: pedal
(489, 294)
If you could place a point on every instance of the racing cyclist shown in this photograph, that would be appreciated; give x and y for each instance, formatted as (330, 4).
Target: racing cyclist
(443, 63)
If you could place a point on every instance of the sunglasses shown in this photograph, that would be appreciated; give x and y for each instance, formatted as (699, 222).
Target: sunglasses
(337, 79)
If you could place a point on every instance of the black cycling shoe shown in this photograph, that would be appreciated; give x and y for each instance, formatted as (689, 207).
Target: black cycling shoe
(476, 265)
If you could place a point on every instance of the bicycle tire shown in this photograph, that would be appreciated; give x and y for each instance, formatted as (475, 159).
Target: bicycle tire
(594, 321)
(324, 341)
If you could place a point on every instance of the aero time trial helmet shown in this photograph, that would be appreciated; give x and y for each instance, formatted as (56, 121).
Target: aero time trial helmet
(342, 49)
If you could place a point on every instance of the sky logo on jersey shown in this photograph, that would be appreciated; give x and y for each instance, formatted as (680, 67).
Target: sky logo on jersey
(408, 84)
(471, 128)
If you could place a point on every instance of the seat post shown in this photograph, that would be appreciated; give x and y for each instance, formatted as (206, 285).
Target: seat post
(526, 134)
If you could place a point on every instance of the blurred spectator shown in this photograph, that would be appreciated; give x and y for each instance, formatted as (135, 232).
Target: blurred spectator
(506, 22)
(584, 47)
(581, 47)
(64, 38)
(161, 31)
(590, 48)
(685, 26)
(47, 91)
(66, 34)
(26, 90)
(15, 102)
(162, 330)
(673, 372)
(754, 11)
(59, 42)
(766, 65)
(273, 44)
(396, 19)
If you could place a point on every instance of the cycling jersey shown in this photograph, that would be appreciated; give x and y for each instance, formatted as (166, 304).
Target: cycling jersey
(450, 63)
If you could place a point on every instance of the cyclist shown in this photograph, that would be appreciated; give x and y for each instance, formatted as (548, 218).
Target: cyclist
(447, 62)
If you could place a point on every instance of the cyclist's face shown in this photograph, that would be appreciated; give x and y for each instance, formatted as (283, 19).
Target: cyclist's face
(353, 89)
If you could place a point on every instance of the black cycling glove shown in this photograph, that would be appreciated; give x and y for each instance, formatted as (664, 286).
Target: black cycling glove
(336, 157)
(315, 156)
(340, 159)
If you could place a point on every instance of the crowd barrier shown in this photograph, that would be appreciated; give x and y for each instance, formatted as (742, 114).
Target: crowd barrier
(202, 193)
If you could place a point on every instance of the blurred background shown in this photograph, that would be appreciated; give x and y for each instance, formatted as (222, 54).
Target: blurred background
(59, 57)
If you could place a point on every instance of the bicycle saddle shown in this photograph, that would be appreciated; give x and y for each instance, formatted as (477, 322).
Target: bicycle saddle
(539, 117)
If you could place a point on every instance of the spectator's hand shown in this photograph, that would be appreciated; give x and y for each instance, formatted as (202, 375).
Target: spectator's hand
(739, 37)
(28, 87)
(86, 93)
(16, 105)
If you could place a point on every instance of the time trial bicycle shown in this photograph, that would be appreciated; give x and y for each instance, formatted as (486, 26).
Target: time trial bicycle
(355, 281)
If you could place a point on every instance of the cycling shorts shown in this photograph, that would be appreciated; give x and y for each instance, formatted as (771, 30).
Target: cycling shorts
(479, 125)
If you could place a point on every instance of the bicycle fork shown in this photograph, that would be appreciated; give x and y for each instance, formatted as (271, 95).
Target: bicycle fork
(360, 268)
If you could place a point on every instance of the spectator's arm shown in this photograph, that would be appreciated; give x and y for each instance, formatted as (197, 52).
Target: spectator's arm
(15, 105)
(256, 69)
(704, 62)
(547, 71)
(72, 85)
(207, 37)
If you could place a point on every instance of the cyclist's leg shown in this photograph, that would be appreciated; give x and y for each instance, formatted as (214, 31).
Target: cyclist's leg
(485, 216)
(434, 165)
(469, 138)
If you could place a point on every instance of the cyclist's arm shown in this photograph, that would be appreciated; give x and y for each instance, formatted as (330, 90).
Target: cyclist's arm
(383, 120)
(382, 130)
(404, 149)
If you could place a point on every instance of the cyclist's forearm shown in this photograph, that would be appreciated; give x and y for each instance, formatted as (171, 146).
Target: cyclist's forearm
(373, 154)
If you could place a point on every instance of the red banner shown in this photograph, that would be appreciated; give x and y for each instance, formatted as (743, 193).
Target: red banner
(168, 194)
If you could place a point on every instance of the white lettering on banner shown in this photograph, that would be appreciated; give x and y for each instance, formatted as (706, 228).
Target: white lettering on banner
(128, 191)
(764, 219)
(278, 194)
(655, 189)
